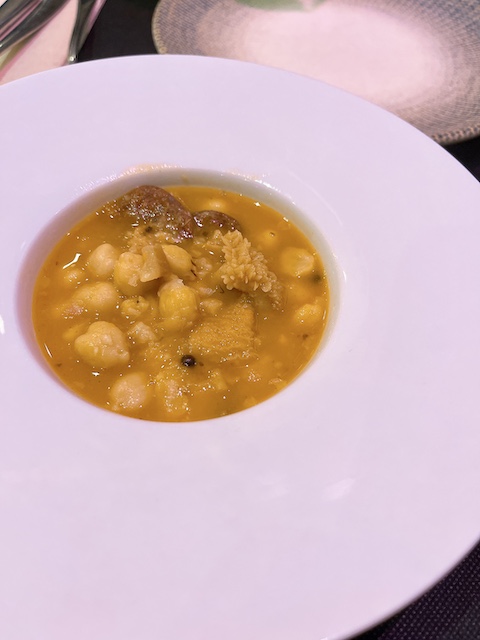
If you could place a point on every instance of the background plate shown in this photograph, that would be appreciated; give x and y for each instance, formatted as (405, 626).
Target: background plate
(417, 58)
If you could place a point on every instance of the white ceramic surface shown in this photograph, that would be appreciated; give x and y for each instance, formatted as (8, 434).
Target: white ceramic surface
(314, 514)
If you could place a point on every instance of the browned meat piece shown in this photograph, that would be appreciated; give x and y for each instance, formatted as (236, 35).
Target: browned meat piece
(228, 336)
(209, 221)
(153, 205)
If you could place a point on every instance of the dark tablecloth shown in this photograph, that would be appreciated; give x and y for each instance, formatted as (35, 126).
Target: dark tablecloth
(449, 611)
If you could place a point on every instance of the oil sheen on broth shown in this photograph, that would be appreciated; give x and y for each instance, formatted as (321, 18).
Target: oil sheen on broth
(179, 304)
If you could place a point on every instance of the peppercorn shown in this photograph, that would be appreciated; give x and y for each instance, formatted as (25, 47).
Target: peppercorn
(188, 360)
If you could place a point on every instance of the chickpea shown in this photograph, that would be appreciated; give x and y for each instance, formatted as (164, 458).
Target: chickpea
(127, 274)
(297, 262)
(217, 380)
(178, 304)
(172, 396)
(103, 345)
(310, 315)
(141, 333)
(155, 263)
(179, 260)
(102, 260)
(211, 306)
(133, 308)
(130, 392)
(97, 297)
(72, 276)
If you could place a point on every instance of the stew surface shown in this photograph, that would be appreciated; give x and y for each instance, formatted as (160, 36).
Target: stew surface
(178, 304)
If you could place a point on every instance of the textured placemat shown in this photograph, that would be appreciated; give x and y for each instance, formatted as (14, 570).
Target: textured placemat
(417, 58)
(449, 611)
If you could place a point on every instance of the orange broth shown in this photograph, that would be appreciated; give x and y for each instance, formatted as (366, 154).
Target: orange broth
(185, 329)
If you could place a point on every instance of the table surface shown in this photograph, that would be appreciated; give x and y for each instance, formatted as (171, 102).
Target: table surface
(451, 609)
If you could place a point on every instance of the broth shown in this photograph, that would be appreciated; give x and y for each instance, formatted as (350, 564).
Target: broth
(181, 304)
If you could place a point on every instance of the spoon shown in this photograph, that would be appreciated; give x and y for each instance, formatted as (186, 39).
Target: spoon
(41, 12)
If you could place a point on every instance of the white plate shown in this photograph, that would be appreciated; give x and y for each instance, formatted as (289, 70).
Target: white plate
(314, 514)
(416, 58)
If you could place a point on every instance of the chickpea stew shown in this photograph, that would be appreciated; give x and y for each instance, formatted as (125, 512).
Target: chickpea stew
(178, 304)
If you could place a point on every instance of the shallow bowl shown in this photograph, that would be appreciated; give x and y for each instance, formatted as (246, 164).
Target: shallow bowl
(314, 514)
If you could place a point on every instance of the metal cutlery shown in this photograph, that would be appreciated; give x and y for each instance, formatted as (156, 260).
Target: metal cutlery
(41, 11)
(13, 12)
(81, 28)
